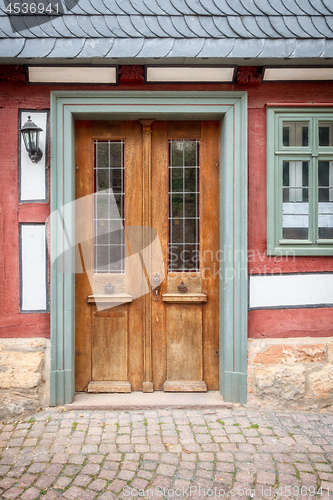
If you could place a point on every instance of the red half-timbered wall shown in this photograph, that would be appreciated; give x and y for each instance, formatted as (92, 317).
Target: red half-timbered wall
(265, 323)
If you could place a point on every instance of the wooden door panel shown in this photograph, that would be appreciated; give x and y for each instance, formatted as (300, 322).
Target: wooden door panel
(109, 346)
(84, 159)
(184, 351)
(114, 349)
(210, 244)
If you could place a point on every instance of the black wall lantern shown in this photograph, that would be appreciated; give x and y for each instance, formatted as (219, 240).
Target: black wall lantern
(30, 133)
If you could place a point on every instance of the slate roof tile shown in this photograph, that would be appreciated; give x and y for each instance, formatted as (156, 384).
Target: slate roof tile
(86, 25)
(33, 30)
(71, 47)
(224, 27)
(319, 7)
(293, 6)
(168, 27)
(87, 7)
(225, 8)
(266, 26)
(3, 7)
(6, 27)
(160, 47)
(307, 25)
(197, 7)
(127, 26)
(76, 9)
(37, 48)
(238, 7)
(211, 7)
(251, 25)
(182, 7)
(279, 7)
(313, 48)
(328, 5)
(329, 21)
(196, 27)
(129, 47)
(328, 50)
(322, 26)
(278, 48)
(111, 7)
(10, 47)
(101, 27)
(280, 27)
(295, 28)
(126, 7)
(210, 27)
(217, 48)
(238, 27)
(308, 9)
(186, 47)
(154, 26)
(177, 28)
(251, 7)
(247, 48)
(140, 26)
(154, 7)
(96, 47)
(73, 26)
(60, 26)
(265, 8)
(182, 27)
(101, 7)
(49, 30)
(141, 8)
(167, 8)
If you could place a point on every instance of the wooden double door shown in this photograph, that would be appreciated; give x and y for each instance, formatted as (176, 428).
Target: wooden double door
(147, 232)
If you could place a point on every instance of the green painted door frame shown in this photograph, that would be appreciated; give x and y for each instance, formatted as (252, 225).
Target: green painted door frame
(231, 109)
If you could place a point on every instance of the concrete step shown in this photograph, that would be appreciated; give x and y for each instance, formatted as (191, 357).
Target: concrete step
(154, 400)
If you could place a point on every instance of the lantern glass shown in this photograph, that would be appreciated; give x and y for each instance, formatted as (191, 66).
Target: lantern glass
(33, 140)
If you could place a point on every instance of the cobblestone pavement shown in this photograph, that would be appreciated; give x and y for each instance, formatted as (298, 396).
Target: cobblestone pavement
(228, 453)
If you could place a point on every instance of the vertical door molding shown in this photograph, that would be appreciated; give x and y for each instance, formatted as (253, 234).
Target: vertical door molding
(147, 385)
(231, 107)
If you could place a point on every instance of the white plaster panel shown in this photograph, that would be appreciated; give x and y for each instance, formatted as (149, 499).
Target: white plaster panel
(33, 268)
(33, 175)
(291, 290)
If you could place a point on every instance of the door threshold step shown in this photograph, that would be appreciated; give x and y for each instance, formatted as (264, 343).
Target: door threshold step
(144, 400)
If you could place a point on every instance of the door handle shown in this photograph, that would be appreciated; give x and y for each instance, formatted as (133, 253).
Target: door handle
(156, 287)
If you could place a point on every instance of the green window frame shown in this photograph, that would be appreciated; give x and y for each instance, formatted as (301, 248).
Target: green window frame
(299, 181)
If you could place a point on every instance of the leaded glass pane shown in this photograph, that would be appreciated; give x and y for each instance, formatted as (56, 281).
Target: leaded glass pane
(109, 207)
(184, 205)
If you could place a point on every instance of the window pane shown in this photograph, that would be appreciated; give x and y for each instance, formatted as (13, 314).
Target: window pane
(295, 134)
(177, 153)
(190, 150)
(295, 212)
(102, 155)
(325, 199)
(325, 130)
(177, 226)
(109, 207)
(191, 180)
(177, 180)
(184, 205)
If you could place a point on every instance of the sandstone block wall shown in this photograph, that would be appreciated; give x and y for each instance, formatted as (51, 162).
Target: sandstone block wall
(24, 375)
(294, 373)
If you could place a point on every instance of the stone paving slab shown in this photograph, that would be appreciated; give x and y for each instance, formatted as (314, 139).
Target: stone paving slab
(167, 453)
